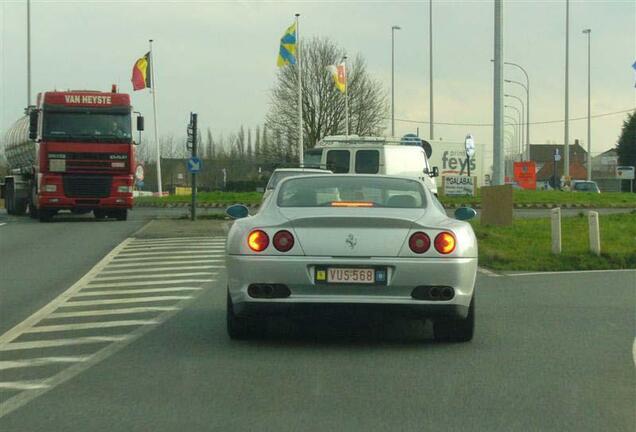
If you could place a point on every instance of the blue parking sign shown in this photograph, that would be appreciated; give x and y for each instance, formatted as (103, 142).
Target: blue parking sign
(194, 165)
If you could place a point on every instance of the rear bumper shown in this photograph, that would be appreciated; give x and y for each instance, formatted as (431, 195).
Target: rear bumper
(404, 274)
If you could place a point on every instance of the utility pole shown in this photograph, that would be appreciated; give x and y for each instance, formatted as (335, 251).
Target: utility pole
(589, 108)
(566, 140)
(195, 139)
(498, 157)
(393, 29)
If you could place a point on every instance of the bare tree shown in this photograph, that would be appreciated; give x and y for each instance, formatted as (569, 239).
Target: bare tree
(323, 104)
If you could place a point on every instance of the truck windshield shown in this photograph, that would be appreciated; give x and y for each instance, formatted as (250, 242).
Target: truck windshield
(87, 126)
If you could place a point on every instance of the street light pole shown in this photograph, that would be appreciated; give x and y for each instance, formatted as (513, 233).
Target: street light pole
(430, 64)
(527, 109)
(589, 122)
(28, 52)
(393, 29)
(522, 112)
(517, 127)
(566, 139)
(497, 135)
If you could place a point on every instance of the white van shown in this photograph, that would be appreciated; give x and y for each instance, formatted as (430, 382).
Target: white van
(371, 155)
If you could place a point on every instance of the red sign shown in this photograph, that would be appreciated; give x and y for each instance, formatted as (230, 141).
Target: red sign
(525, 174)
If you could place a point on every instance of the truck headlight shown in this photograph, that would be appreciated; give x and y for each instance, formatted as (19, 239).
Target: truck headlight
(124, 189)
(49, 188)
(118, 164)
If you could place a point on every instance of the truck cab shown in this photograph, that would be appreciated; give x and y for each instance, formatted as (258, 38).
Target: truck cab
(372, 155)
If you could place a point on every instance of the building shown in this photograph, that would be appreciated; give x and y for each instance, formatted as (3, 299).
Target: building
(543, 156)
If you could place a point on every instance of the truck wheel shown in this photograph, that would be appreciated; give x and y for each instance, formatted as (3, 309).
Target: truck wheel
(45, 215)
(121, 215)
(456, 330)
(99, 214)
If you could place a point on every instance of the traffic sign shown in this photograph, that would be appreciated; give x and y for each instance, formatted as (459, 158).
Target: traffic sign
(139, 172)
(469, 143)
(625, 172)
(557, 156)
(194, 165)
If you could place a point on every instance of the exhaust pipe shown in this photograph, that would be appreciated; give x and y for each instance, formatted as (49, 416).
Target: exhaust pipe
(448, 293)
(435, 293)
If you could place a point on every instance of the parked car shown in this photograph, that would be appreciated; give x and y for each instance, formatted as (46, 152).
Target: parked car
(585, 186)
(282, 173)
(364, 240)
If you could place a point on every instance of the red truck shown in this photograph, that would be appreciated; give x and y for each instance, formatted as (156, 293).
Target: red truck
(73, 151)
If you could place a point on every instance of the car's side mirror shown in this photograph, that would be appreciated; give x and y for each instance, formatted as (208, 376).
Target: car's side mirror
(465, 213)
(140, 123)
(33, 124)
(237, 211)
(434, 172)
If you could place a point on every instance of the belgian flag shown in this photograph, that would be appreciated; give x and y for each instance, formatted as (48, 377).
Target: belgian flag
(141, 73)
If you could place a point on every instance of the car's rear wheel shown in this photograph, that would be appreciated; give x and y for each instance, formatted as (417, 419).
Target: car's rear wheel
(456, 330)
(239, 327)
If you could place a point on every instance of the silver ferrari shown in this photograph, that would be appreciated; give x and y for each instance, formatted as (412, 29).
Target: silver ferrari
(364, 240)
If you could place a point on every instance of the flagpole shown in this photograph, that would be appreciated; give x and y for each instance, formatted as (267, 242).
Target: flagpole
(346, 77)
(300, 95)
(153, 90)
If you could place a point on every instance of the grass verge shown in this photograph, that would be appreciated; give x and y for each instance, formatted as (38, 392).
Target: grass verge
(588, 199)
(224, 198)
(526, 245)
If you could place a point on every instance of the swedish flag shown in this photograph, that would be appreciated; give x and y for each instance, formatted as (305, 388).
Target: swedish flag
(287, 52)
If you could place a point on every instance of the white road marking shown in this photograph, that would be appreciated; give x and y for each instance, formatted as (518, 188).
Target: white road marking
(159, 263)
(487, 272)
(2, 223)
(15, 346)
(146, 283)
(89, 325)
(101, 312)
(569, 272)
(135, 291)
(40, 361)
(123, 300)
(22, 385)
(169, 248)
(154, 270)
(168, 253)
(63, 307)
(171, 275)
(182, 258)
(52, 306)
(180, 239)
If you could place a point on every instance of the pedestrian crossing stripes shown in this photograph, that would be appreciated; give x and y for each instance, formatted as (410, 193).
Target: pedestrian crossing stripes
(137, 286)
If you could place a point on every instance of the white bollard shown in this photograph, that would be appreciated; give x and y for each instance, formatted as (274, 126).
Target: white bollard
(555, 217)
(595, 233)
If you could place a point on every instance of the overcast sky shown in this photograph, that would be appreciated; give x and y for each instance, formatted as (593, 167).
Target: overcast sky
(218, 58)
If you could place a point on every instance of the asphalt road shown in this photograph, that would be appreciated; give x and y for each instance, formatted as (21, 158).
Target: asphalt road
(551, 352)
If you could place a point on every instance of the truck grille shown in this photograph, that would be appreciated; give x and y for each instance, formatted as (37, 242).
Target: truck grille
(92, 162)
(87, 186)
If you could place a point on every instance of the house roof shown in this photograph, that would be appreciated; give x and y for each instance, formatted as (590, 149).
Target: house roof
(577, 171)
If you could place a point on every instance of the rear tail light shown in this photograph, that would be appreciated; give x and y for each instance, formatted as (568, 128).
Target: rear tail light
(258, 240)
(445, 242)
(419, 242)
(283, 241)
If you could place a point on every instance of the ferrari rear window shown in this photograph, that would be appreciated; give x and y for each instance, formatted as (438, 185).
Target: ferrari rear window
(351, 191)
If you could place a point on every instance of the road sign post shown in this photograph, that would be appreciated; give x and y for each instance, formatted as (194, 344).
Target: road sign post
(194, 163)
(469, 144)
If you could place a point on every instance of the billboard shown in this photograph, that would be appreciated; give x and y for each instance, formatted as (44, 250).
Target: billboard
(450, 159)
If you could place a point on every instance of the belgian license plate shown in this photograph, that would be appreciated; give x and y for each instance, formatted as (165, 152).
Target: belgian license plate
(350, 275)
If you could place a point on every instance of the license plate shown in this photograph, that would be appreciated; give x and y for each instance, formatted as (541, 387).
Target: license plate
(350, 275)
